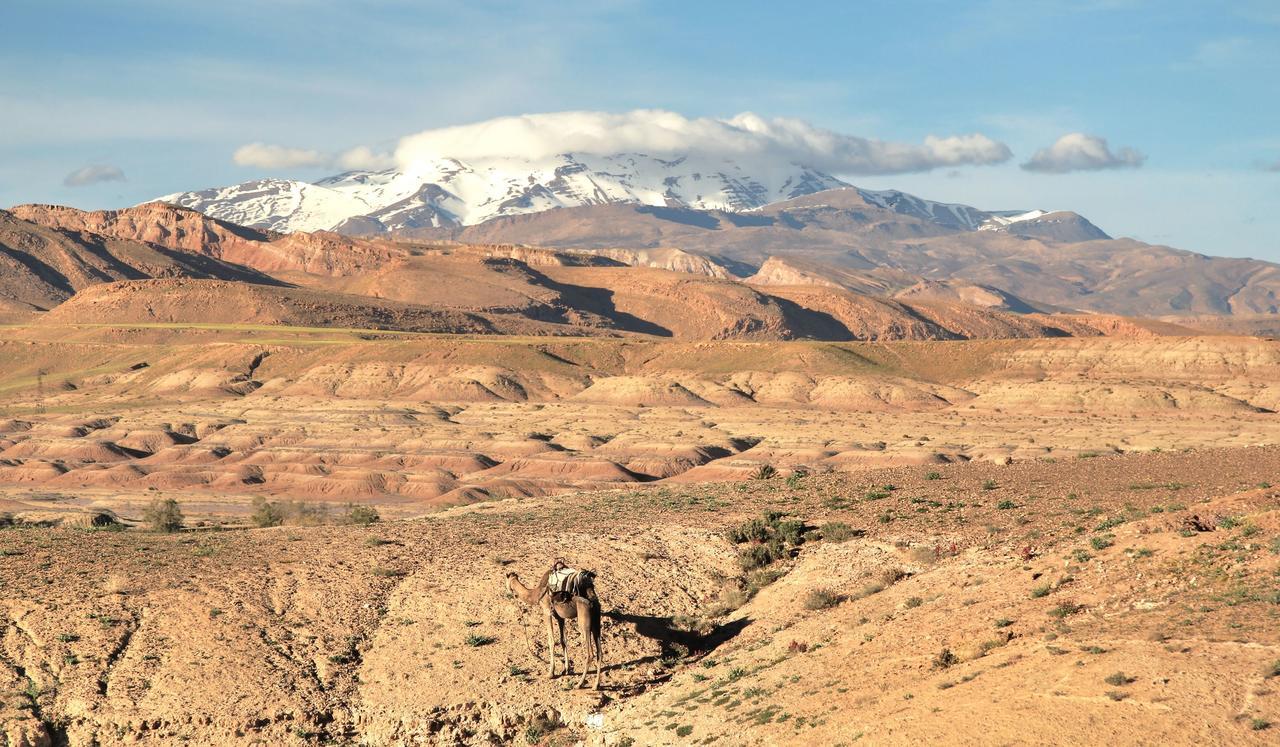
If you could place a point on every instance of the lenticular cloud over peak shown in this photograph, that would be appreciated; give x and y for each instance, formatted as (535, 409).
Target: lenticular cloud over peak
(657, 132)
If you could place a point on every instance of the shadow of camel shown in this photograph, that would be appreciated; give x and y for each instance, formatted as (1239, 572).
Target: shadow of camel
(677, 643)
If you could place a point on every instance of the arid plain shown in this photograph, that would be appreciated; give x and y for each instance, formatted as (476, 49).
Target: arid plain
(816, 514)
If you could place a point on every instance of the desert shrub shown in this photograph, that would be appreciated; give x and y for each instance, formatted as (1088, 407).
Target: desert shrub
(1115, 694)
(693, 624)
(1258, 724)
(727, 601)
(933, 476)
(299, 513)
(945, 659)
(821, 599)
(760, 578)
(755, 530)
(914, 602)
(1106, 524)
(163, 515)
(891, 575)
(1006, 504)
(991, 644)
(1041, 591)
(294, 513)
(6, 520)
(1101, 541)
(539, 729)
(362, 515)
(266, 513)
(1117, 679)
(769, 536)
(760, 554)
(796, 477)
(876, 495)
(1272, 670)
(1003, 622)
(838, 531)
(872, 587)
(990, 485)
(791, 532)
(476, 640)
(1066, 609)
(764, 472)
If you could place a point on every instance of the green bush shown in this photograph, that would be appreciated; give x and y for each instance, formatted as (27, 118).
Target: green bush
(821, 599)
(791, 532)
(266, 513)
(362, 515)
(838, 531)
(163, 515)
(945, 659)
(755, 530)
(759, 555)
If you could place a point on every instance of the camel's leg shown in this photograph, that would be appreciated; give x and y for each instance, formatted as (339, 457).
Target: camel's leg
(551, 646)
(584, 628)
(599, 652)
(564, 647)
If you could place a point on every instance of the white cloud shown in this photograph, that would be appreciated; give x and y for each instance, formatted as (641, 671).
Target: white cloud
(363, 158)
(1077, 151)
(267, 156)
(94, 174)
(1232, 51)
(657, 132)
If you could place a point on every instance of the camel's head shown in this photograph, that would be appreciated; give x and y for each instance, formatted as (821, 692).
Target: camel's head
(511, 575)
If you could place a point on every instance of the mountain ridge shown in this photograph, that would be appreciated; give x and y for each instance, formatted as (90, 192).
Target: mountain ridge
(450, 193)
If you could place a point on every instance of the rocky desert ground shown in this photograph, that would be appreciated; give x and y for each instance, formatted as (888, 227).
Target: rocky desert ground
(958, 537)
(819, 513)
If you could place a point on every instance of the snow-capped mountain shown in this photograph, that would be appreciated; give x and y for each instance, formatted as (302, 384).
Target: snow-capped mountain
(947, 214)
(449, 192)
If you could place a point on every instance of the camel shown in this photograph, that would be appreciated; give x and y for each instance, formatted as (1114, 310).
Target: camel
(556, 609)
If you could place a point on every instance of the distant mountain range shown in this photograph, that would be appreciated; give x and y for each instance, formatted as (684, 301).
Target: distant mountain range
(158, 263)
(449, 193)
(770, 227)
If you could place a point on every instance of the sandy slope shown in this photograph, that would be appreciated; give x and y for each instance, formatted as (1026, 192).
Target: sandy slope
(361, 634)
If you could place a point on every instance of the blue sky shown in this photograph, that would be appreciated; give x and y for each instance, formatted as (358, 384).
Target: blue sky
(153, 96)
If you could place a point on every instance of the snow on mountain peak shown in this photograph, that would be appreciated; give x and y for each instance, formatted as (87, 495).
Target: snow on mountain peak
(447, 191)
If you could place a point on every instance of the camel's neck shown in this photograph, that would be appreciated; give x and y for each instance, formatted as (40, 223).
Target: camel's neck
(527, 595)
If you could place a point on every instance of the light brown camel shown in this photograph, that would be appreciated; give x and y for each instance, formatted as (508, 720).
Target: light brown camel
(559, 607)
